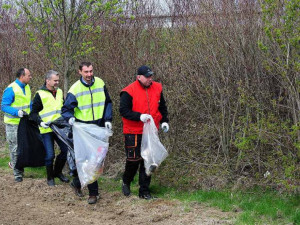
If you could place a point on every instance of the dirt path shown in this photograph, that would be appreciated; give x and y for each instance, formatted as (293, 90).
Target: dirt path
(33, 202)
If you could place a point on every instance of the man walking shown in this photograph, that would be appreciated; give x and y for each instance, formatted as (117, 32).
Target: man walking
(139, 100)
(15, 104)
(46, 107)
(88, 101)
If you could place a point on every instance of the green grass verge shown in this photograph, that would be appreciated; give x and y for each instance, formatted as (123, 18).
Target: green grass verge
(255, 207)
(38, 172)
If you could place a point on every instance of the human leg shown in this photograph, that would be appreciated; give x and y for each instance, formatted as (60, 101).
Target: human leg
(133, 157)
(131, 168)
(144, 182)
(12, 140)
(60, 160)
(48, 142)
(75, 184)
(93, 192)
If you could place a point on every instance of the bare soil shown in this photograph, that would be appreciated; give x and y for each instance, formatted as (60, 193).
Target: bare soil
(33, 202)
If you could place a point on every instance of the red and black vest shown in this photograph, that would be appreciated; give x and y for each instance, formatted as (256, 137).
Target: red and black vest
(144, 100)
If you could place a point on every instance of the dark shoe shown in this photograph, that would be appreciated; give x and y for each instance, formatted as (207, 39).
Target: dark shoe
(62, 178)
(126, 189)
(153, 168)
(51, 182)
(92, 200)
(77, 191)
(146, 196)
(18, 179)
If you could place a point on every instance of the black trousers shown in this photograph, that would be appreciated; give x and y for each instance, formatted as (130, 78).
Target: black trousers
(134, 161)
(93, 187)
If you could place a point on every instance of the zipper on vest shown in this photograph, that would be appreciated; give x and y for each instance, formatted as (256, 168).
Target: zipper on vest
(92, 103)
(148, 101)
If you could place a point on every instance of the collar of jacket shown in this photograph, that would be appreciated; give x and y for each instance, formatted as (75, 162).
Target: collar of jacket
(44, 88)
(85, 84)
(22, 85)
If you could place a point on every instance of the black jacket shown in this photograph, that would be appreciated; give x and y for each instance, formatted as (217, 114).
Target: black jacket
(37, 106)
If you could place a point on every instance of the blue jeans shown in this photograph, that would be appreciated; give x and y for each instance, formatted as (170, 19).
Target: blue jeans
(48, 140)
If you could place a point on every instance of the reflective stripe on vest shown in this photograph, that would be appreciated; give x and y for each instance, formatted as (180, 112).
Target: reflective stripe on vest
(21, 102)
(51, 107)
(90, 100)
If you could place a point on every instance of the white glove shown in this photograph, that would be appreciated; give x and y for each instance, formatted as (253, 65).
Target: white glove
(44, 125)
(108, 125)
(71, 121)
(165, 127)
(145, 117)
(20, 113)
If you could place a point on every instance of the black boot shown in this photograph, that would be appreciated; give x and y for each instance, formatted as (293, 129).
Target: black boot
(50, 177)
(59, 165)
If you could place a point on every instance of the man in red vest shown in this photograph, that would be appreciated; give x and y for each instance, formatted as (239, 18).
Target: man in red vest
(139, 100)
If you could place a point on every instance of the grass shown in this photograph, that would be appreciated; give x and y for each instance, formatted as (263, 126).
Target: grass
(257, 206)
(254, 207)
(38, 172)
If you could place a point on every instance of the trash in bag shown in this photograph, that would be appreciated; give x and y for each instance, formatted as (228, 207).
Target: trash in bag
(31, 151)
(152, 150)
(90, 146)
(63, 130)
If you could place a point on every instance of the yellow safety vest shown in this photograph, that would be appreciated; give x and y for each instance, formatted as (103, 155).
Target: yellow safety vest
(21, 102)
(51, 107)
(90, 100)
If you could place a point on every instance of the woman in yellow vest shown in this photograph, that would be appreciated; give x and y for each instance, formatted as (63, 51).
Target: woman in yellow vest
(46, 107)
(15, 104)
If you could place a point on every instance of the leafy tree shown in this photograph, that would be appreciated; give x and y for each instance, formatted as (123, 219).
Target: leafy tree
(282, 27)
(65, 29)
(281, 20)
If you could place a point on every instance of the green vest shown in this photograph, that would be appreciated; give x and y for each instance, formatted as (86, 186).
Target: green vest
(21, 102)
(51, 107)
(90, 100)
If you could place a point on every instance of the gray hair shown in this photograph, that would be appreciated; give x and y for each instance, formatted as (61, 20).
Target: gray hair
(50, 73)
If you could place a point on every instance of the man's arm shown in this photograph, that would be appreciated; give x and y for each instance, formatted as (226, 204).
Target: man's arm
(163, 109)
(67, 111)
(126, 108)
(37, 106)
(107, 107)
(7, 99)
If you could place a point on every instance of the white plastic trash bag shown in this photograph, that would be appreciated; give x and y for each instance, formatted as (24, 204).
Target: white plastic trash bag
(90, 146)
(152, 150)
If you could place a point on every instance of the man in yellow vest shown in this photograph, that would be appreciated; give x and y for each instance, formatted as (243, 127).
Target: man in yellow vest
(46, 107)
(15, 104)
(88, 101)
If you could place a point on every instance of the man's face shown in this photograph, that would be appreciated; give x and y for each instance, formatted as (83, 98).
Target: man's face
(146, 81)
(26, 78)
(87, 73)
(53, 82)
